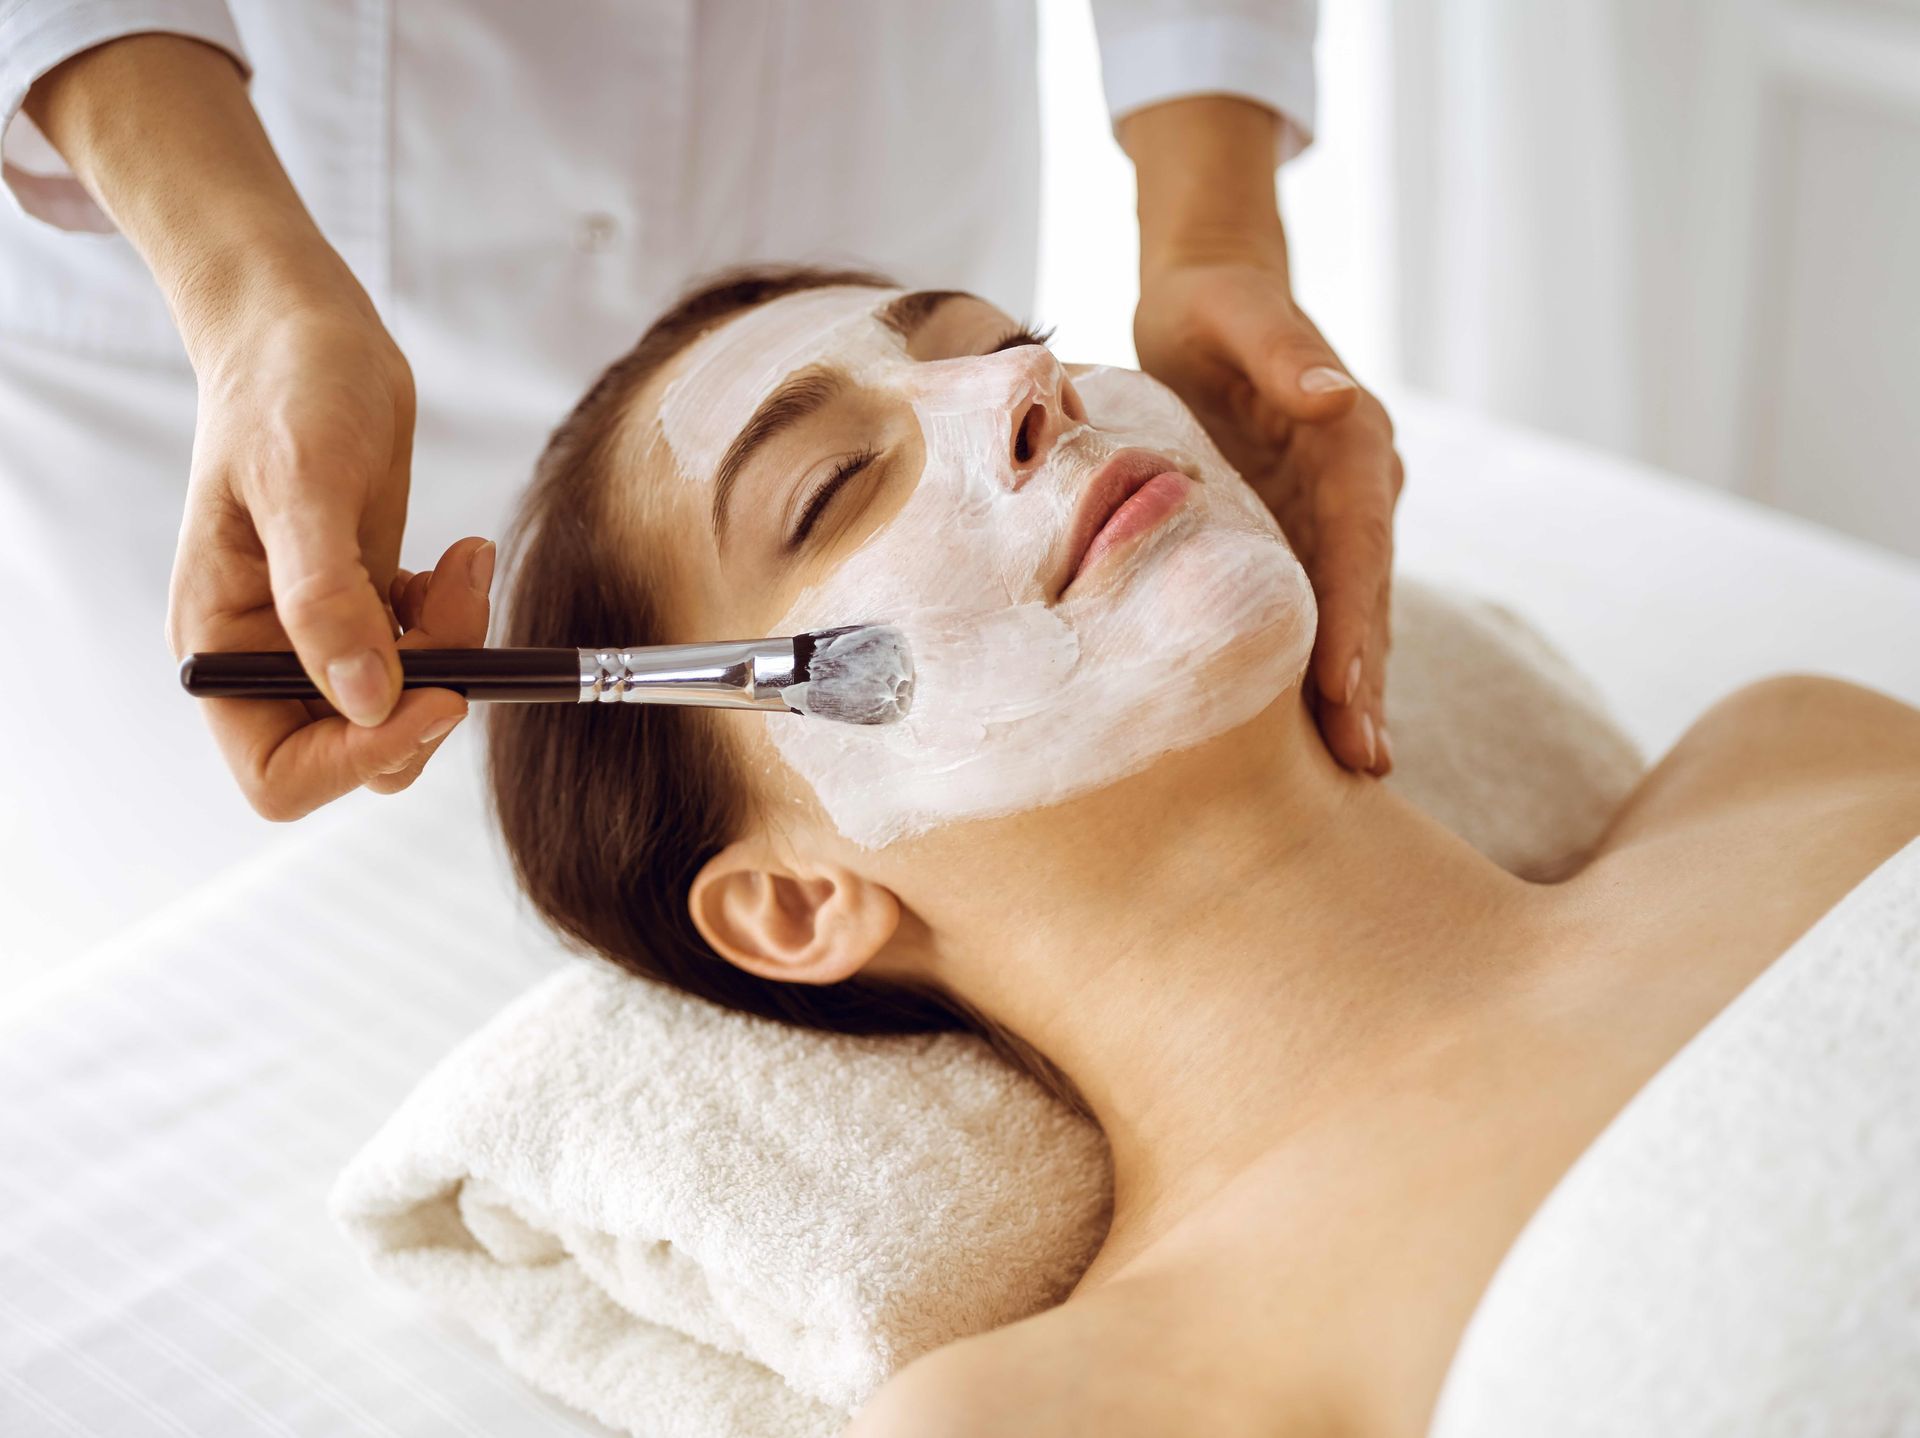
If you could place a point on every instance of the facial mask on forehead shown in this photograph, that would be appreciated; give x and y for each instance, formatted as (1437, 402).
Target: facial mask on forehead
(1019, 703)
(732, 369)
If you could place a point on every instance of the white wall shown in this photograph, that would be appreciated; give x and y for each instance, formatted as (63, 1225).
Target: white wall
(1830, 419)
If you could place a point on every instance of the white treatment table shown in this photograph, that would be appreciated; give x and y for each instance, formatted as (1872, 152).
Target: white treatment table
(178, 1099)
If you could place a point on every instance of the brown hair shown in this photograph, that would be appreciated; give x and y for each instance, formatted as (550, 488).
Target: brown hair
(610, 810)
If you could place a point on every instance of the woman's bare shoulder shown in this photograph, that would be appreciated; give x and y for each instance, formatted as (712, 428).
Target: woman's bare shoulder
(1794, 740)
(1808, 717)
(1098, 1364)
(1042, 1376)
(975, 1386)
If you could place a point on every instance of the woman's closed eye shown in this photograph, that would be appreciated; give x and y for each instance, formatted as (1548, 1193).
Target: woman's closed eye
(816, 503)
(1024, 335)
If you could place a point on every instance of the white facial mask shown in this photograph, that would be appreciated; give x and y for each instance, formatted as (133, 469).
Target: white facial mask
(1190, 631)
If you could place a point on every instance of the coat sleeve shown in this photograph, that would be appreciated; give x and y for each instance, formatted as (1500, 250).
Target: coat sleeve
(35, 36)
(1155, 50)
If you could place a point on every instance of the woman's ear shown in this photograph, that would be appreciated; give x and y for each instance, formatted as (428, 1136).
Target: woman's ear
(805, 924)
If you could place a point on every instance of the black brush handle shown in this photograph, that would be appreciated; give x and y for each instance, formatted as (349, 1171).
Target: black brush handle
(525, 676)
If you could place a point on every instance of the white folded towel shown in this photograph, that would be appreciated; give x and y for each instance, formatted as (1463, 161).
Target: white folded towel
(829, 1206)
(1738, 1252)
(687, 1221)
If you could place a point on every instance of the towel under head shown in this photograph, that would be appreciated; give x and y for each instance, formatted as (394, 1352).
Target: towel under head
(830, 1206)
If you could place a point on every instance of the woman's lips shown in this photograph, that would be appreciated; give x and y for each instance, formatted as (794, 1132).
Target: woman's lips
(1110, 489)
(1148, 505)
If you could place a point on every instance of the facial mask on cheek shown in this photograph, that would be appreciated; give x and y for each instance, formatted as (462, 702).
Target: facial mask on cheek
(1018, 704)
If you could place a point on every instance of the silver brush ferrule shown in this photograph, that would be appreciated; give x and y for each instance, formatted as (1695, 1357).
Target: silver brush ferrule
(748, 674)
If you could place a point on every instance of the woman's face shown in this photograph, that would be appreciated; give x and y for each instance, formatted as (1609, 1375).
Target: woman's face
(1085, 584)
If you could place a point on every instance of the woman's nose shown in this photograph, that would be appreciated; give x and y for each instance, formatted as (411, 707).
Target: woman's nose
(1047, 408)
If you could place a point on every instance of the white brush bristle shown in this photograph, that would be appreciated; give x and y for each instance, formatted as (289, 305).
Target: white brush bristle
(858, 675)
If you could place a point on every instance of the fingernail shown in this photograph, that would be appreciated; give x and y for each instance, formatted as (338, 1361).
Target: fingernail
(359, 687)
(1386, 746)
(440, 730)
(1353, 680)
(480, 567)
(1322, 379)
(1366, 727)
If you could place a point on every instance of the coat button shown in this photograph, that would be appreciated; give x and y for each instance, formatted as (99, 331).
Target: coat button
(595, 233)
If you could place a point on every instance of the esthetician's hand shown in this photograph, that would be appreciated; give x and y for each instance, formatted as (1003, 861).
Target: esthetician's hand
(291, 541)
(1218, 325)
(1228, 338)
(304, 434)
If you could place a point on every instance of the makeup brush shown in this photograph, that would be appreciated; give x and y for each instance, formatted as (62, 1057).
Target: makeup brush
(860, 674)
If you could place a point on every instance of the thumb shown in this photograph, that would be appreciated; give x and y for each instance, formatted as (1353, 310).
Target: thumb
(1289, 365)
(327, 603)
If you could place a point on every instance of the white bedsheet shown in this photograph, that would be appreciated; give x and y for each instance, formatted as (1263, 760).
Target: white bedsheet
(174, 1105)
(1668, 594)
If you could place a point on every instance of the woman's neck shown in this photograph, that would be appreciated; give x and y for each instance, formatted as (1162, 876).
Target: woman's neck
(1286, 937)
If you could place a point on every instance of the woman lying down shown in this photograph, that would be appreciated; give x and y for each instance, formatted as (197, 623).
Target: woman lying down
(1339, 1056)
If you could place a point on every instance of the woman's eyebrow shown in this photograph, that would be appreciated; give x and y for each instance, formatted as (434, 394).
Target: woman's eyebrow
(802, 393)
(906, 314)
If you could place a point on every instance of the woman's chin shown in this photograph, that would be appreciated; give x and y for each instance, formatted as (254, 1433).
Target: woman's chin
(1214, 603)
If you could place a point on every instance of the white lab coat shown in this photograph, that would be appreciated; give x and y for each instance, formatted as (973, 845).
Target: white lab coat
(520, 187)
